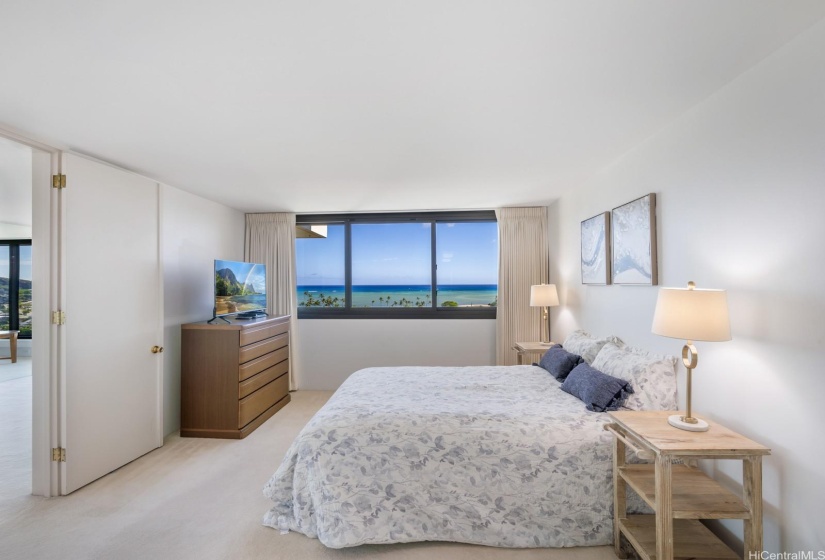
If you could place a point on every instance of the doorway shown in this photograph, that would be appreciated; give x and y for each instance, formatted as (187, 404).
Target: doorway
(17, 164)
(74, 416)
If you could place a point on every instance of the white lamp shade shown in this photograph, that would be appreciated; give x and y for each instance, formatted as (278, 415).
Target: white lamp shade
(692, 314)
(544, 295)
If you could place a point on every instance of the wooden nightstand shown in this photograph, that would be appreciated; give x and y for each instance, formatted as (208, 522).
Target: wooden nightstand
(523, 348)
(680, 495)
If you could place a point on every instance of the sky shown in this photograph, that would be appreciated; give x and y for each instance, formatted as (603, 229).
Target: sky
(25, 262)
(246, 273)
(393, 254)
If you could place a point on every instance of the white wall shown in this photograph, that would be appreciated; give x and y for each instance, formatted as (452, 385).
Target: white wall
(331, 349)
(740, 182)
(15, 231)
(195, 231)
(15, 190)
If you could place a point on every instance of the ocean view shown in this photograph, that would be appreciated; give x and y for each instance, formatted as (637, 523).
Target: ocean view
(449, 295)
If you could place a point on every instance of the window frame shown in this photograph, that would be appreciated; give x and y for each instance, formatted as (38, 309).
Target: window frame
(14, 283)
(432, 312)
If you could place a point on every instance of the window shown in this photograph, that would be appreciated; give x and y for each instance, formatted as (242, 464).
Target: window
(320, 269)
(392, 265)
(16, 287)
(424, 265)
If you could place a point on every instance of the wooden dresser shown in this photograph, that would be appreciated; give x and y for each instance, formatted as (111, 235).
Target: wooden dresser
(233, 376)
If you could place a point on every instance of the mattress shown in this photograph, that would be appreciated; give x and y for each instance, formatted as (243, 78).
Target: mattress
(497, 456)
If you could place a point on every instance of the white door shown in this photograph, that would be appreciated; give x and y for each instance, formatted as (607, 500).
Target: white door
(111, 295)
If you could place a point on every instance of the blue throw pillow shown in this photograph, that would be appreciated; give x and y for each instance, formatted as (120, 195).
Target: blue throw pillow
(598, 391)
(559, 362)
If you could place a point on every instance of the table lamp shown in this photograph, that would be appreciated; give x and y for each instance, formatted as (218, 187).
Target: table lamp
(691, 314)
(544, 295)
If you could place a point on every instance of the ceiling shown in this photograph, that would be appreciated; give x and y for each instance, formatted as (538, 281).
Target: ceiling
(331, 105)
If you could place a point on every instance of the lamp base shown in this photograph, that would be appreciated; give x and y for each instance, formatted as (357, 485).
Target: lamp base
(678, 421)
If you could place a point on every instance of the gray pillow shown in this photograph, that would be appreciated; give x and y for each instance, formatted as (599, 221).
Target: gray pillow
(586, 345)
(559, 362)
(652, 376)
(598, 391)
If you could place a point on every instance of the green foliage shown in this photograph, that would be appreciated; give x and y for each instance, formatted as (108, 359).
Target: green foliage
(24, 308)
(222, 287)
(449, 304)
(320, 300)
(226, 287)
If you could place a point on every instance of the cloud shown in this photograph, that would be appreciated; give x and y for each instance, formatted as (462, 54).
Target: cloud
(446, 257)
(450, 225)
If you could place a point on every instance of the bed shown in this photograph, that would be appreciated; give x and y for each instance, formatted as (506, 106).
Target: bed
(496, 455)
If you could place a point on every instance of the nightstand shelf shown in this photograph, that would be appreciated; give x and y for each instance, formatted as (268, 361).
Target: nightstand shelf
(691, 539)
(694, 494)
(681, 495)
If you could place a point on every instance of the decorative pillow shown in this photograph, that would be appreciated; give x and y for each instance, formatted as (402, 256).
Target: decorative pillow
(652, 376)
(599, 392)
(586, 345)
(559, 362)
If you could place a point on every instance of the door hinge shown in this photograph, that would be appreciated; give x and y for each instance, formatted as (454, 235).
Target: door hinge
(58, 181)
(58, 318)
(59, 454)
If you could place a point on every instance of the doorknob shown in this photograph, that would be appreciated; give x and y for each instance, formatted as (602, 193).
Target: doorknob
(157, 349)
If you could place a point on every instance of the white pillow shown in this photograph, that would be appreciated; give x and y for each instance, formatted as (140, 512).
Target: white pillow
(652, 376)
(586, 345)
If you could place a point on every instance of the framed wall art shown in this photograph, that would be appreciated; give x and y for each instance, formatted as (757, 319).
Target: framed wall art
(596, 249)
(633, 228)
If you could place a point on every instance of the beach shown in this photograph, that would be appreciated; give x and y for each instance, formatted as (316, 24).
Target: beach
(449, 295)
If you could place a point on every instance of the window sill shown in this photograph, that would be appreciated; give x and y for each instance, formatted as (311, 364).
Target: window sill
(397, 313)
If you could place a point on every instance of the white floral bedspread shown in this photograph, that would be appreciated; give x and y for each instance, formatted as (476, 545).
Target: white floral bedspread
(497, 456)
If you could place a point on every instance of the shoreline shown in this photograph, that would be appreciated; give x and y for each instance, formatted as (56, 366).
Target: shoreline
(399, 296)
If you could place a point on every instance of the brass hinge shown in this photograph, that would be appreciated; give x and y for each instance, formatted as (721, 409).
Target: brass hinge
(58, 181)
(58, 318)
(59, 454)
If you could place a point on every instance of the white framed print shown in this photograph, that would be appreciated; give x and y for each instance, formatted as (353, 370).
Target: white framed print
(595, 247)
(633, 228)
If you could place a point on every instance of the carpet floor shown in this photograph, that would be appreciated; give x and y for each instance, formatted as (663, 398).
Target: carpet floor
(200, 499)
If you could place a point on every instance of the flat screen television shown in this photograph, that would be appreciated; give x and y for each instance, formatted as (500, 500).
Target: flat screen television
(240, 289)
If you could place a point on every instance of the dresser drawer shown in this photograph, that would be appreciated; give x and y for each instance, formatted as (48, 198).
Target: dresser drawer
(256, 366)
(258, 349)
(253, 335)
(252, 406)
(254, 383)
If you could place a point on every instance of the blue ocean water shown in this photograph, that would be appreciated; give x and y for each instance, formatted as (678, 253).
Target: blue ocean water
(408, 295)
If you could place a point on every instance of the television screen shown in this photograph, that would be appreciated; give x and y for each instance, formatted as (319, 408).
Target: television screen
(239, 287)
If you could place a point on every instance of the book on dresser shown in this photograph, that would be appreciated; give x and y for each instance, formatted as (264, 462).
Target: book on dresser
(234, 376)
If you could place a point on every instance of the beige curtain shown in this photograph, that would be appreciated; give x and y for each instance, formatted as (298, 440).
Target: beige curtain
(270, 240)
(523, 261)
